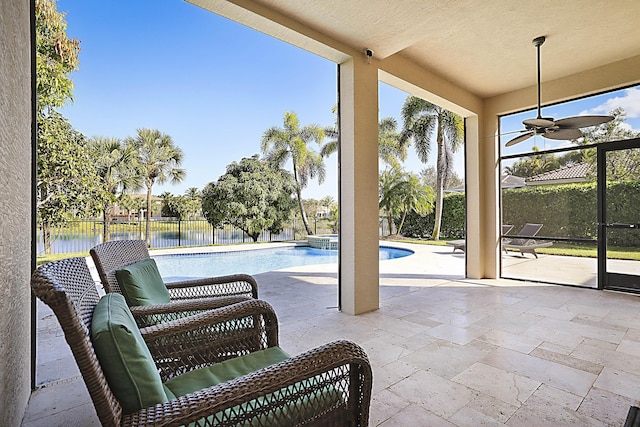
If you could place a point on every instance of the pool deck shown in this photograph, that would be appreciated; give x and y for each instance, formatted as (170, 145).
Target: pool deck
(445, 350)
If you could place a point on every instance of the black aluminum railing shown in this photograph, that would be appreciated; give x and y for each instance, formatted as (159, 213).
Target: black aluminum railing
(82, 235)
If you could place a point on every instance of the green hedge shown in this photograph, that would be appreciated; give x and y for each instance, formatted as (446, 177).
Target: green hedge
(453, 220)
(568, 211)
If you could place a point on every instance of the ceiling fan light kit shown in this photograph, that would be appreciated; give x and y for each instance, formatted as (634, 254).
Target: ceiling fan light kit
(561, 129)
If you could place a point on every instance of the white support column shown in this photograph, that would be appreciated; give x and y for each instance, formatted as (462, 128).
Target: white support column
(482, 180)
(359, 272)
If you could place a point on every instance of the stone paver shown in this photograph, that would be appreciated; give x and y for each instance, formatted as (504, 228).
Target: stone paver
(445, 350)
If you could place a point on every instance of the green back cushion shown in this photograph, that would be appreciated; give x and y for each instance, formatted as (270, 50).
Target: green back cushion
(141, 283)
(124, 356)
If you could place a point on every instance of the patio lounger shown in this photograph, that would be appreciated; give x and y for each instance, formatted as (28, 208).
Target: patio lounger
(526, 245)
(461, 244)
(457, 244)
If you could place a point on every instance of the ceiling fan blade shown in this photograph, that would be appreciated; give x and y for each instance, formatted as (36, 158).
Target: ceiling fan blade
(540, 122)
(583, 121)
(520, 138)
(563, 133)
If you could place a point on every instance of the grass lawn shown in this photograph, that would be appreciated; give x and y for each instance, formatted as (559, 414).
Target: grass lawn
(562, 249)
(43, 259)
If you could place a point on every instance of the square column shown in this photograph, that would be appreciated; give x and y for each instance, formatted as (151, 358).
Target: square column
(482, 189)
(359, 240)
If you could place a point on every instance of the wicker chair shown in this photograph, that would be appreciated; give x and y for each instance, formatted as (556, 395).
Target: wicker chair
(224, 290)
(281, 394)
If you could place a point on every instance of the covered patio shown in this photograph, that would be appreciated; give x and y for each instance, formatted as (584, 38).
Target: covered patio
(445, 348)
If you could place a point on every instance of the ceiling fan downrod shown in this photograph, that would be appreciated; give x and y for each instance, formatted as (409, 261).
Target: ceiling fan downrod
(537, 42)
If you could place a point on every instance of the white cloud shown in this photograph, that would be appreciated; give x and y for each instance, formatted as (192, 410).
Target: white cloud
(630, 102)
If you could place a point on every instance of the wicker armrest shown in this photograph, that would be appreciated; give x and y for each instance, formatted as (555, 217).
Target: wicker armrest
(211, 337)
(235, 284)
(148, 315)
(335, 380)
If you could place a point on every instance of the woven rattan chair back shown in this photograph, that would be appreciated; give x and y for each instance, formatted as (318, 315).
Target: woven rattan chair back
(110, 256)
(68, 288)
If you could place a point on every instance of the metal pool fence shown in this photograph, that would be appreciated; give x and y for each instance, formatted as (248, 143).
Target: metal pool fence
(82, 235)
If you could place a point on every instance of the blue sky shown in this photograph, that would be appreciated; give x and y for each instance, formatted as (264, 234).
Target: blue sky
(215, 86)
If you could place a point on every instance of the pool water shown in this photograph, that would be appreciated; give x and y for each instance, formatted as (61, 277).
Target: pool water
(175, 267)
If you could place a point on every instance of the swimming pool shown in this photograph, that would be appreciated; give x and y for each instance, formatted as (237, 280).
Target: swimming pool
(175, 267)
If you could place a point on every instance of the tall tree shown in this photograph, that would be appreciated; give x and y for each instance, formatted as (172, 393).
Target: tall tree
(159, 159)
(429, 176)
(193, 193)
(291, 142)
(130, 204)
(118, 173)
(327, 202)
(534, 165)
(56, 57)
(66, 175)
(390, 192)
(415, 197)
(621, 165)
(421, 120)
(252, 195)
(390, 151)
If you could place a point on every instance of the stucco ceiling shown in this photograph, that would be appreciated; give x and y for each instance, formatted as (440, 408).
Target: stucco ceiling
(482, 46)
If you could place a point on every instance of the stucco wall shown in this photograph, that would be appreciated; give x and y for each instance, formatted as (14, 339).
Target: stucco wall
(15, 208)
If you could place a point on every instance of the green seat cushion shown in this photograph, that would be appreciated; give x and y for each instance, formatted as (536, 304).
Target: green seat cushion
(141, 283)
(224, 371)
(124, 356)
(297, 402)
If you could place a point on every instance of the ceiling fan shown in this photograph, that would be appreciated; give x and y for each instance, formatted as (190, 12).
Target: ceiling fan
(548, 127)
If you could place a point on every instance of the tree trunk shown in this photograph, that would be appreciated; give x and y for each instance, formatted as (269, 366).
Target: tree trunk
(390, 222)
(303, 214)
(147, 231)
(106, 227)
(46, 237)
(439, 184)
(404, 215)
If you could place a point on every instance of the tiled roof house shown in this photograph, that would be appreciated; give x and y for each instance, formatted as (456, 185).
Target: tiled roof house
(565, 175)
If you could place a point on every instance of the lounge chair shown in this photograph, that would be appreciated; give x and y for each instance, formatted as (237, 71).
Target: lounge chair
(461, 244)
(523, 243)
(211, 292)
(218, 368)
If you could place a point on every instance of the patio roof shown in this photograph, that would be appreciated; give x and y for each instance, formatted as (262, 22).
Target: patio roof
(484, 48)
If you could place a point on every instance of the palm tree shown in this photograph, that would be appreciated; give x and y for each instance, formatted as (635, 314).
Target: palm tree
(415, 197)
(390, 151)
(118, 171)
(421, 120)
(193, 193)
(331, 132)
(390, 192)
(291, 142)
(159, 160)
(130, 204)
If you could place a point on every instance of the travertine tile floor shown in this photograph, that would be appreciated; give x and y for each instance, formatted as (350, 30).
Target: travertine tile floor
(445, 351)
